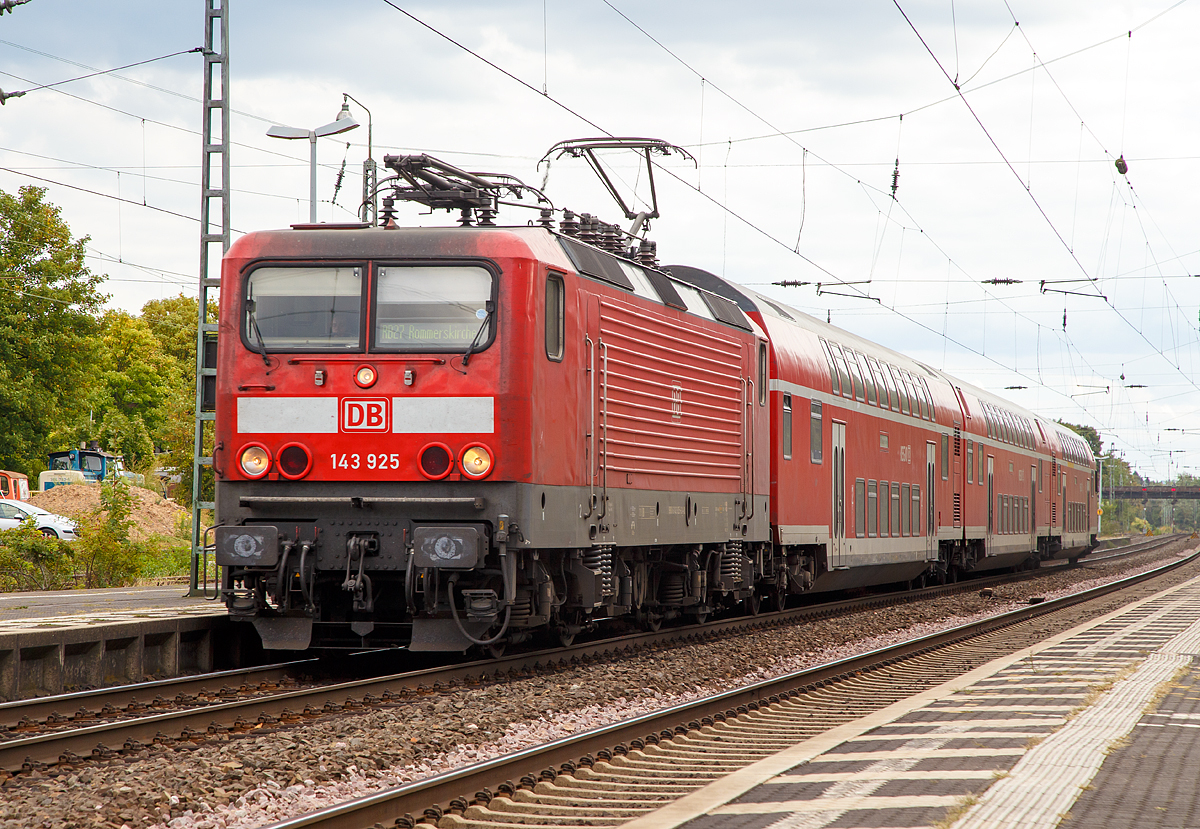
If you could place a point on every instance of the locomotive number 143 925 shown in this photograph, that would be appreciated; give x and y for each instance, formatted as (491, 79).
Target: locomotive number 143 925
(372, 461)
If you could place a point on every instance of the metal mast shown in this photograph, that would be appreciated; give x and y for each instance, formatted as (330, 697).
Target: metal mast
(216, 119)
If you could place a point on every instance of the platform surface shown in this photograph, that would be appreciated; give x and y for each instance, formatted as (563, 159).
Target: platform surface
(74, 608)
(1098, 726)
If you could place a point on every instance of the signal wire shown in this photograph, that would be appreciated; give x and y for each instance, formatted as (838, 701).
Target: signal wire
(721, 206)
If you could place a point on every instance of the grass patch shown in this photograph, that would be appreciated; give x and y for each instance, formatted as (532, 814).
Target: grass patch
(956, 811)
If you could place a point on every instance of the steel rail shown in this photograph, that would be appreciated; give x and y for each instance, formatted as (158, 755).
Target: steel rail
(102, 739)
(120, 696)
(439, 791)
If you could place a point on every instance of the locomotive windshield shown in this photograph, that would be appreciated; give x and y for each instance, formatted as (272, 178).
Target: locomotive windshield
(432, 308)
(303, 308)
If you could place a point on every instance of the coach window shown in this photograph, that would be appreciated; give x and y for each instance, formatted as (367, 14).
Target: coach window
(814, 432)
(884, 500)
(554, 317)
(945, 456)
(762, 374)
(856, 375)
(970, 461)
(904, 509)
(787, 426)
(903, 391)
(895, 509)
(872, 509)
(877, 373)
(1039, 474)
(843, 372)
(893, 395)
(926, 400)
(303, 308)
(868, 378)
(834, 385)
(860, 507)
(916, 510)
(917, 401)
(433, 308)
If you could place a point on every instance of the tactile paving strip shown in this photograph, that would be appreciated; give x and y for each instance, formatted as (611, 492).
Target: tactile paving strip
(1015, 748)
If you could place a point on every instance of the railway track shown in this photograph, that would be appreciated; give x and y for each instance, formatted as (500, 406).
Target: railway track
(108, 722)
(607, 776)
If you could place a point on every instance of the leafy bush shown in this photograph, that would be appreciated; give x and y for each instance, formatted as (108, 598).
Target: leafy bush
(104, 555)
(32, 561)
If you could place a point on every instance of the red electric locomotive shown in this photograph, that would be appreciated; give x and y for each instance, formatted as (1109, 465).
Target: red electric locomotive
(445, 437)
(454, 437)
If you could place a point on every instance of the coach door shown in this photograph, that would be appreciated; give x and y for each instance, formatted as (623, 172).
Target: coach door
(991, 495)
(1033, 508)
(930, 501)
(838, 525)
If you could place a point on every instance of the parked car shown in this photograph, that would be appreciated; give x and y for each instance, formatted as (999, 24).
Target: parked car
(12, 513)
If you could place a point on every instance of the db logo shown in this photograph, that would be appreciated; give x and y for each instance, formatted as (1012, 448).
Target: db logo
(365, 414)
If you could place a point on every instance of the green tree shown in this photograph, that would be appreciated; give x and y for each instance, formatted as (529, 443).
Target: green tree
(173, 322)
(134, 382)
(49, 309)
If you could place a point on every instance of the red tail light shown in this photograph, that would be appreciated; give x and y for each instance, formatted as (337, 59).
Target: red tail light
(295, 461)
(436, 461)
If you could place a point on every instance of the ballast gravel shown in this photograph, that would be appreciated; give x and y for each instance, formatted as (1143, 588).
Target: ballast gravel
(248, 781)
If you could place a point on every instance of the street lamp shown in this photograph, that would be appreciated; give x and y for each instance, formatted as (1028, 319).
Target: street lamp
(333, 128)
(367, 210)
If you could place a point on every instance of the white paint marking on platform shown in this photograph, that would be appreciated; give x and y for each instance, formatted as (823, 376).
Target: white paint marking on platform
(1044, 783)
(810, 811)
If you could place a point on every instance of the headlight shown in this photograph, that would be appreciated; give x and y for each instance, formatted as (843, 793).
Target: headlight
(294, 461)
(436, 461)
(365, 376)
(255, 460)
(476, 461)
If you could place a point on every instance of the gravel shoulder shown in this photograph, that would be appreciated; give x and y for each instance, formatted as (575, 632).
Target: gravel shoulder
(251, 780)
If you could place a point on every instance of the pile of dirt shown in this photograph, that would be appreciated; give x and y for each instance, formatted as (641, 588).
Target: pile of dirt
(152, 514)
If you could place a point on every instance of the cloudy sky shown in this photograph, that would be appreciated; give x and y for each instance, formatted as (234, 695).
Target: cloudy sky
(1014, 252)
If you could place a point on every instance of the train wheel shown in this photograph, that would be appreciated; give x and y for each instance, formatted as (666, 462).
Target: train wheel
(496, 649)
(649, 621)
(564, 636)
(701, 618)
(754, 604)
(774, 601)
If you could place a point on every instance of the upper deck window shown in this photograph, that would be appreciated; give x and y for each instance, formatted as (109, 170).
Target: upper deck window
(432, 308)
(304, 308)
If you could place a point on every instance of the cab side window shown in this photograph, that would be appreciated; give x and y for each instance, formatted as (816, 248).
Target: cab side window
(554, 317)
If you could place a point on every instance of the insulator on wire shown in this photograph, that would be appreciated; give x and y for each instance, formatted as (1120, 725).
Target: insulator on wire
(895, 178)
(1122, 165)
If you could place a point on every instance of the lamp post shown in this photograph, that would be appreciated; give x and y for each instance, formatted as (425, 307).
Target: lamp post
(333, 128)
(367, 211)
